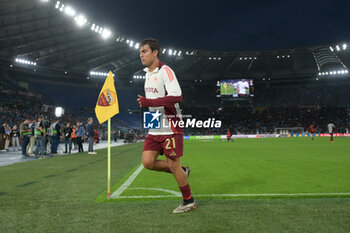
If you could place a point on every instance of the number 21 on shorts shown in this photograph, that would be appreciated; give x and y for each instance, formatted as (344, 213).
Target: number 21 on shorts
(168, 142)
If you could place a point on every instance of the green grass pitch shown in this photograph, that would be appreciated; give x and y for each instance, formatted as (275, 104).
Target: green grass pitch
(67, 194)
(256, 166)
(229, 90)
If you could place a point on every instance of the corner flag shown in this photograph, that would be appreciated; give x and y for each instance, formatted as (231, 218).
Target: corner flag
(107, 104)
(106, 107)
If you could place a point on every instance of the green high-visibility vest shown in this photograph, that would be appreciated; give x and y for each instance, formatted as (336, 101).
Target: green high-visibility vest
(53, 131)
(37, 131)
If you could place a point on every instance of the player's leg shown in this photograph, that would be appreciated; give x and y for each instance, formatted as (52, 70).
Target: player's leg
(332, 140)
(175, 167)
(173, 150)
(181, 179)
(150, 161)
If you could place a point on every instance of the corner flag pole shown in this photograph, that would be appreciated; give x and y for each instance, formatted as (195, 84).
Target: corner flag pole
(109, 160)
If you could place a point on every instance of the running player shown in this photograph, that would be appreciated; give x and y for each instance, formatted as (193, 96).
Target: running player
(312, 131)
(331, 129)
(229, 135)
(163, 94)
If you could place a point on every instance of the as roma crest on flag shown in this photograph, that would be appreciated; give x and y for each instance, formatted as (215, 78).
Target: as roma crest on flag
(107, 98)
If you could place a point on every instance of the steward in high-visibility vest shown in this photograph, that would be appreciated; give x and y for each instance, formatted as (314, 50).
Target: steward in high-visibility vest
(74, 135)
(53, 130)
(40, 133)
(39, 129)
(25, 132)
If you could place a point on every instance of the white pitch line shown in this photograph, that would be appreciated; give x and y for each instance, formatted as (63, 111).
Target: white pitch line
(127, 183)
(246, 195)
(176, 194)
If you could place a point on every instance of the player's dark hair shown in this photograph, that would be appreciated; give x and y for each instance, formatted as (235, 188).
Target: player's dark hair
(152, 43)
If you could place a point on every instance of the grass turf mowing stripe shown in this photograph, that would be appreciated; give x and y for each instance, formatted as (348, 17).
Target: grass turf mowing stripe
(270, 168)
(127, 183)
(247, 195)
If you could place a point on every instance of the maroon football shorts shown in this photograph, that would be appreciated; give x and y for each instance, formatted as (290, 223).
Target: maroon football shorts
(169, 145)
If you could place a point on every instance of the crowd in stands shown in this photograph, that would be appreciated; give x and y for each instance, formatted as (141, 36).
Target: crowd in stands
(21, 112)
(260, 120)
(272, 106)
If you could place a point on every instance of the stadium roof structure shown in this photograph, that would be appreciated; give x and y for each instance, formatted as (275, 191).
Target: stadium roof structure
(47, 36)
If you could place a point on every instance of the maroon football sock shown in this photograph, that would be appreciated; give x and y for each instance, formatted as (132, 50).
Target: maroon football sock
(186, 192)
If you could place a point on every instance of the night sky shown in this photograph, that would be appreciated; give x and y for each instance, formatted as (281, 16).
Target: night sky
(224, 25)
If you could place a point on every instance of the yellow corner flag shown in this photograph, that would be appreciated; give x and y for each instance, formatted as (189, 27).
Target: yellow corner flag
(106, 107)
(107, 104)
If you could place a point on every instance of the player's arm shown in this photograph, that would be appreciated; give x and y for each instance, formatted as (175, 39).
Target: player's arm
(173, 90)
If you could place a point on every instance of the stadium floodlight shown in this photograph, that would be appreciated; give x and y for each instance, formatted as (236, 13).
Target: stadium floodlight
(69, 11)
(175, 52)
(319, 73)
(57, 4)
(59, 111)
(170, 52)
(338, 48)
(330, 47)
(163, 51)
(179, 54)
(103, 74)
(44, 0)
(131, 44)
(137, 45)
(62, 7)
(346, 71)
(80, 20)
(214, 58)
(345, 46)
(106, 33)
(25, 62)
(326, 73)
(209, 58)
(240, 58)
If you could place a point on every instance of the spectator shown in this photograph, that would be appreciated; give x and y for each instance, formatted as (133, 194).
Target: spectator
(55, 136)
(90, 134)
(96, 137)
(15, 138)
(67, 133)
(80, 134)
(2, 137)
(7, 136)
